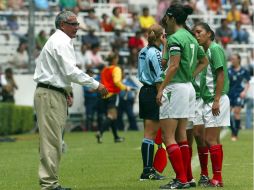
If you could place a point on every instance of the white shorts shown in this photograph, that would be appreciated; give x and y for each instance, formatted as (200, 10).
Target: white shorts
(198, 119)
(223, 119)
(178, 101)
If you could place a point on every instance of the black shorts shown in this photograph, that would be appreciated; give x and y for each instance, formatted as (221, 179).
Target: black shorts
(111, 102)
(148, 108)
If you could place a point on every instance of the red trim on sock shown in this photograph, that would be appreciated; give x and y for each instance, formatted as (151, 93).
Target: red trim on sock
(175, 157)
(203, 159)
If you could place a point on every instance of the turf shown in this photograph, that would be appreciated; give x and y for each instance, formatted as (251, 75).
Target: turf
(109, 166)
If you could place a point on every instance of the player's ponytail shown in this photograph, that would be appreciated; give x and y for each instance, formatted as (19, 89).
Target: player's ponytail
(154, 33)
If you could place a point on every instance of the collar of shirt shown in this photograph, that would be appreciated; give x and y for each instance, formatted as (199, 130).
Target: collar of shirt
(64, 36)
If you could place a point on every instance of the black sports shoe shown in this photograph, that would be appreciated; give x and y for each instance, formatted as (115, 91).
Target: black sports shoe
(151, 175)
(203, 180)
(99, 138)
(119, 139)
(175, 184)
(62, 188)
(192, 183)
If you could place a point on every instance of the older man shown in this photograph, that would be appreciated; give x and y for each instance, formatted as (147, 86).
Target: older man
(54, 73)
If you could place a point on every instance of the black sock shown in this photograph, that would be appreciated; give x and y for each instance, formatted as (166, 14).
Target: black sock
(114, 128)
(147, 151)
(237, 126)
(105, 125)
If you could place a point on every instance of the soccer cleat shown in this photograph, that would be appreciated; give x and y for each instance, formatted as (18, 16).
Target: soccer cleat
(119, 139)
(151, 175)
(203, 180)
(175, 184)
(192, 183)
(214, 183)
(99, 138)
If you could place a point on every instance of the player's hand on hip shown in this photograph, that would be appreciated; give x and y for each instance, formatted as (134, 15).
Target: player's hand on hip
(158, 98)
(102, 90)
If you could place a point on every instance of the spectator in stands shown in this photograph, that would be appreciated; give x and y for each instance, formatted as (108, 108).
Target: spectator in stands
(94, 57)
(8, 86)
(224, 33)
(67, 4)
(117, 21)
(136, 41)
(214, 6)
(118, 41)
(84, 5)
(2, 5)
(133, 58)
(15, 5)
(161, 8)
(239, 83)
(52, 31)
(12, 23)
(20, 58)
(240, 35)
(41, 39)
(82, 58)
(134, 25)
(90, 38)
(105, 24)
(234, 15)
(91, 21)
(246, 13)
(126, 104)
(91, 102)
(145, 19)
(41, 5)
(81, 19)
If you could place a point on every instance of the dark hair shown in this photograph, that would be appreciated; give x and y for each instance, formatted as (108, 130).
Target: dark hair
(238, 57)
(179, 12)
(114, 10)
(207, 29)
(111, 56)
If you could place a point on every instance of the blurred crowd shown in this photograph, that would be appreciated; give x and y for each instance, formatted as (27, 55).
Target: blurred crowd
(128, 29)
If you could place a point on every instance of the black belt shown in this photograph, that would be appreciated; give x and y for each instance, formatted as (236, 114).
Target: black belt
(48, 86)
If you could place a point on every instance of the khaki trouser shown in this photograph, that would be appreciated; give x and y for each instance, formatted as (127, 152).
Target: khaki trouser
(51, 111)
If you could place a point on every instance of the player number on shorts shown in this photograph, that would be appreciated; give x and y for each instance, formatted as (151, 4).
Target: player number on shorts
(192, 46)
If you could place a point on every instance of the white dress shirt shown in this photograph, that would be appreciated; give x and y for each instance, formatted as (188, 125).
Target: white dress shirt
(57, 64)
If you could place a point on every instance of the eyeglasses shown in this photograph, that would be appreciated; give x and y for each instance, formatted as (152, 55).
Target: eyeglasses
(72, 23)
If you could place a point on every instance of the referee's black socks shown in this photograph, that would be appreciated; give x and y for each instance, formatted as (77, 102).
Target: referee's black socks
(147, 151)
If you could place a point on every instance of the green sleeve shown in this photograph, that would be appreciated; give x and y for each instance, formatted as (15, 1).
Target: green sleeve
(201, 52)
(174, 46)
(218, 57)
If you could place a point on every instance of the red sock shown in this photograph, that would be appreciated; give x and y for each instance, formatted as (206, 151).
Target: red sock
(175, 157)
(216, 158)
(189, 171)
(184, 147)
(203, 160)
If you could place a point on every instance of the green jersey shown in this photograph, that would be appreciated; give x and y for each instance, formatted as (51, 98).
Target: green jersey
(184, 44)
(217, 59)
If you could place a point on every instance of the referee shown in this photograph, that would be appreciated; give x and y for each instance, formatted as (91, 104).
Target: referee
(149, 74)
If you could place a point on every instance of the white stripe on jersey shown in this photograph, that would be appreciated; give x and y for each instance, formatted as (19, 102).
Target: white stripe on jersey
(209, 80)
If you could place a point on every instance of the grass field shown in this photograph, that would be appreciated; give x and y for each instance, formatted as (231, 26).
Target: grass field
(109, 166)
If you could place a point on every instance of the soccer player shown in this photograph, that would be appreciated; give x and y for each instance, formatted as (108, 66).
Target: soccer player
(239, 85)
(149, 74)
(214, 87)
(111, 77)
(176, 95)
